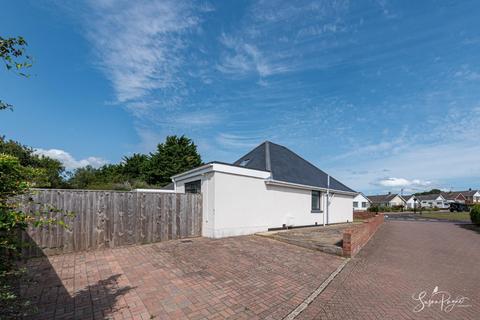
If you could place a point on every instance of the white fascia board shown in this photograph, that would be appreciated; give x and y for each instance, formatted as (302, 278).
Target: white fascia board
(306, 187)
(219, 167)
(192, 173)
(224, 168)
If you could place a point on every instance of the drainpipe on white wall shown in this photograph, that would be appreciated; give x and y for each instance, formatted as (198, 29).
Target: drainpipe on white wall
(328, 198)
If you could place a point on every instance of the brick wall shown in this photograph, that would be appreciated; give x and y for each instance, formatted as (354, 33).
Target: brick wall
(356, 237)
(363, 214)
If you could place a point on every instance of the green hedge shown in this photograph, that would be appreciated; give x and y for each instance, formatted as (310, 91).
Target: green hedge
(475, 214)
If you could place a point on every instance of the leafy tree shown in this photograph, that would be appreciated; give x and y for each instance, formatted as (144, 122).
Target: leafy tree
(12, 53)
(433, 191)
(54, 170)
(15, 181)
(135, 167)
(175, 155)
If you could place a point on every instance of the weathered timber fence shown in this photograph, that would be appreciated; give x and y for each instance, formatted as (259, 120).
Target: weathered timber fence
(108, 219)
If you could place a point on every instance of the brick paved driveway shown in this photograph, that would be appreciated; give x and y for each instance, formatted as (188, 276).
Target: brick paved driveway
(403, 259)
(236, 278)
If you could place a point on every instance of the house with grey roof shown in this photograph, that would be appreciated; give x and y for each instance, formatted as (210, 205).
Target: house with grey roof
(434, 200)
(387, 200)
(471, 196)
(453, 196)
(269, 187)
(411, 201)
(361, 202)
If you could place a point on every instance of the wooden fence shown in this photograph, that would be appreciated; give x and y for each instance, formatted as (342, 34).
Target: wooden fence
(108, 219)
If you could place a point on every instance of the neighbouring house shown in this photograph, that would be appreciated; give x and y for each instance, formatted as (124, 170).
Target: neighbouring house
(471, 196)
(435, 200)
(387, 200)
(411, 201)
(453, 196)
(269, 187)
(361, 202)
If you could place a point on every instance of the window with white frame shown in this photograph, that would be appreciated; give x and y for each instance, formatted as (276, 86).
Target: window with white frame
(364, 204)
(316, 201)
(355, 204)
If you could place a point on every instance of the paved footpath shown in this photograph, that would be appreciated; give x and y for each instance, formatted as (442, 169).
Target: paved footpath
(403, 259)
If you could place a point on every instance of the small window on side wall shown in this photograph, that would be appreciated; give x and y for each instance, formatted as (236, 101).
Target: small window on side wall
(193, 187)
(355, 204)
(316, 201)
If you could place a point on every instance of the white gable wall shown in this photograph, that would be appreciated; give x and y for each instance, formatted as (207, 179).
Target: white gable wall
(397, 201)
(360, 199)
(476, 197)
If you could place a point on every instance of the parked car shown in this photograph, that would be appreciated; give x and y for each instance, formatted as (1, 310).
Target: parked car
(459, 207)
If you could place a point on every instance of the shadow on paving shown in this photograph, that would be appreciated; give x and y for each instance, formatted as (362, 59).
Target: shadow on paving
(49, 297)
(471, 227)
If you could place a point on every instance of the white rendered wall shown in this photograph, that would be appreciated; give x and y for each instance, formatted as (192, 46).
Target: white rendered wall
(397, 201)
(360, 199)
(341, 209)
(239, 205)
(245, 205)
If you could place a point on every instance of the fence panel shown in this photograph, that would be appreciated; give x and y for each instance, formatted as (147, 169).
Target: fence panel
(108, 219)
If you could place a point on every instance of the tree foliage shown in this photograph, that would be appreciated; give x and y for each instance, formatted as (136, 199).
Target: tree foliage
(15, 181)
(433, 191)
(175, 155)
(53, 169)
(13, 55)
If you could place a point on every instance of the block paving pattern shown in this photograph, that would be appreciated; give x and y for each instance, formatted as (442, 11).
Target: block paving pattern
(401, 260)
(233, 278)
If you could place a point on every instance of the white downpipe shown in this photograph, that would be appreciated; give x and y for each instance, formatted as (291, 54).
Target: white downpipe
(328, 198)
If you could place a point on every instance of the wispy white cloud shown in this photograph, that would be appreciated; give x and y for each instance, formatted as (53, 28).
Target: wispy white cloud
(243, 58)
(196, 119)
(446, 153)
(467, 73)
(139, 44)
(237, 141)
(68, 160)
(252, 48)
(402, 182)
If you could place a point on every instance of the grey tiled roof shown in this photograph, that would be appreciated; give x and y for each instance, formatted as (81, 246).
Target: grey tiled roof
(452, 195)
(382, 198)
(287, 166)
(468, 193)
(428, 197)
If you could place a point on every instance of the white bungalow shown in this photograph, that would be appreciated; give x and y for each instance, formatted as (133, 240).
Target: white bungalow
(435, 200)
(361, 202)
(270, 187)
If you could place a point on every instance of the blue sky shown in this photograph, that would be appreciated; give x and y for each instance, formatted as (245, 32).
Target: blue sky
(381, 94)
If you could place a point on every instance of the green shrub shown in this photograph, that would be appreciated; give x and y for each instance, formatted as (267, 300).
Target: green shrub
(372, 209)
(475, 214)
